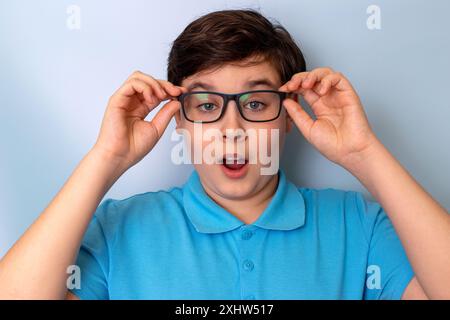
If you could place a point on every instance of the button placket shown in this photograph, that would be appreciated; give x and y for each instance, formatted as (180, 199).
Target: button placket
(246, 234)
(248, 265)
(248, 269)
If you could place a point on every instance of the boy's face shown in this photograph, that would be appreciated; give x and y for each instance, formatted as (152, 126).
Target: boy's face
(236, 182)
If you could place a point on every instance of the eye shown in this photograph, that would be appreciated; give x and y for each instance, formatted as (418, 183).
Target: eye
(206, 107)
(255, 105)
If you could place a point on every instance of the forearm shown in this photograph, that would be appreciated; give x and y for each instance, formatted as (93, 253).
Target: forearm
(35, 267)
(421, 223)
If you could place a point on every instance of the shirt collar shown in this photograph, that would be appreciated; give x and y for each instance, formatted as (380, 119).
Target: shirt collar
(286, 210)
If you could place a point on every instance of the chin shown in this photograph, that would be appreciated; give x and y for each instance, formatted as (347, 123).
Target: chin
(232, 188)
(233, 191)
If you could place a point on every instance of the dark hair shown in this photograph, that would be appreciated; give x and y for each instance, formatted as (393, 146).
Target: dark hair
(233, 36)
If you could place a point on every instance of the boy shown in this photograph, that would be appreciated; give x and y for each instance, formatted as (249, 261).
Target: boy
(232, 231)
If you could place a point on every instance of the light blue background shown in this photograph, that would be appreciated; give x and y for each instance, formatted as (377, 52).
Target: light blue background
(55, 83)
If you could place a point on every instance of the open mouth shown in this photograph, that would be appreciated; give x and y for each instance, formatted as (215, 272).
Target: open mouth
(234, 166)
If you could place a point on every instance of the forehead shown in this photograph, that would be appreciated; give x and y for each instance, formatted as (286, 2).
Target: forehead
(235, 76)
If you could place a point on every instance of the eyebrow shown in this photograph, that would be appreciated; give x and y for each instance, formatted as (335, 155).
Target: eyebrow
(250, 84)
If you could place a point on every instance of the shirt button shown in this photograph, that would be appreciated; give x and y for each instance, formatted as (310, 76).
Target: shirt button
(250, 297)
(248, 265)
(247, 234)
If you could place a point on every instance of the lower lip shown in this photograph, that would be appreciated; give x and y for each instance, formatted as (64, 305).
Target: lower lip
(235, 174)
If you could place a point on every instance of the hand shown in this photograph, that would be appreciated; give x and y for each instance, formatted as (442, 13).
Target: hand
(125, 135)
(341, 132)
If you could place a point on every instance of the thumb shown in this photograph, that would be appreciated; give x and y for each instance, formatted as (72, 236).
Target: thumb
(298, 114)
(164, 115)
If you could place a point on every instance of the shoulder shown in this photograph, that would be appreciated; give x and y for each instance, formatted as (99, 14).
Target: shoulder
(339, 199)
(158, 199)
(144, 209)
(329, 199)
(339, 208)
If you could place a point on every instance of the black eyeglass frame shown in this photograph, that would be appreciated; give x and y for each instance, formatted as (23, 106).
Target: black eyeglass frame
(226, 98)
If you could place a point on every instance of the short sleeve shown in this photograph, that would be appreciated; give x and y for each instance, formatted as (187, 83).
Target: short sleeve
(93, 259)
(388, 269)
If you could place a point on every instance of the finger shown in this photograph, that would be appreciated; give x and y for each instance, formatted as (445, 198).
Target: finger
(328, 82)
(162, 88)
(310, 96)
(133, 87)
(295, 82)
(315, 76)
(164, 115)
(183, 89)
(171, 90)
(171, 85)
(298, 114)
(336, 81)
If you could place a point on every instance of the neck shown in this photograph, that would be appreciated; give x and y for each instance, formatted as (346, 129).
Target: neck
(249, 209)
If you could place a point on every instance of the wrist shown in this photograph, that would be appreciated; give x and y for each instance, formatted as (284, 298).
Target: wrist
(359, 161)
(116, 166)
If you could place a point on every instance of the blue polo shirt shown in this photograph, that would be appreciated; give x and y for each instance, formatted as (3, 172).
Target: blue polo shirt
(179, 244)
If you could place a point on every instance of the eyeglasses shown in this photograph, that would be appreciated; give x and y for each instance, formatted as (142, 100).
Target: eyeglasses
(254, 106)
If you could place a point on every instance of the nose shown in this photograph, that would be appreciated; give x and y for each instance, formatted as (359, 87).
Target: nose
(232, 121)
